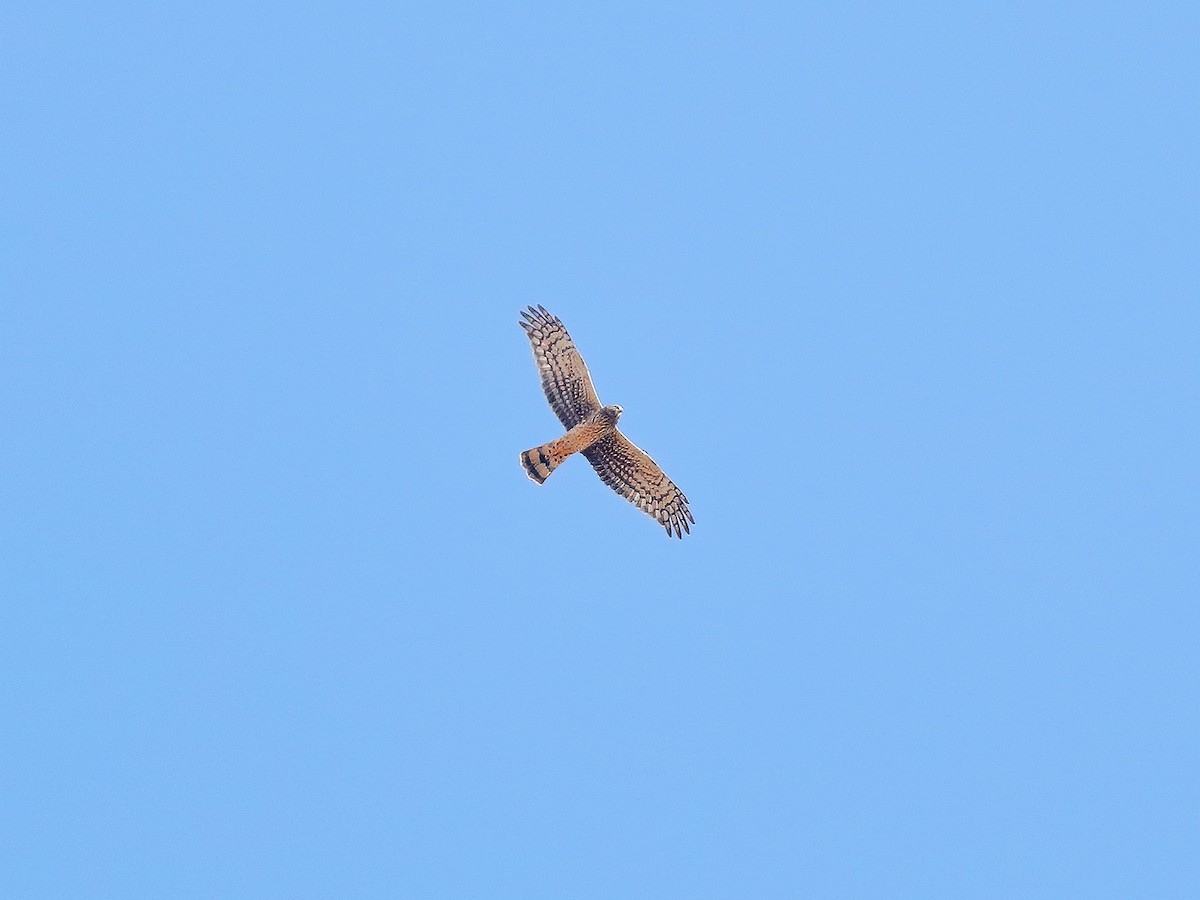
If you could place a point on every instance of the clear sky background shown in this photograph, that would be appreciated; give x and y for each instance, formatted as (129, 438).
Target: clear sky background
(906, 298)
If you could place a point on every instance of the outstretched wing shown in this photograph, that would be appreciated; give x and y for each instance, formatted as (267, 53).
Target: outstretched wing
(630, 471)
(565, 378)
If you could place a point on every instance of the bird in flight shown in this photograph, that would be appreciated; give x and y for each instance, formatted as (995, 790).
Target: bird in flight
(592, 430)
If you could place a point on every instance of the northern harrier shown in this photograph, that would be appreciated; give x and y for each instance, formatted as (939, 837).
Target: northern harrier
(592, 430)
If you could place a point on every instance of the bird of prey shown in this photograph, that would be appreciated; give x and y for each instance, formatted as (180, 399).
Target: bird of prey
(592, 430)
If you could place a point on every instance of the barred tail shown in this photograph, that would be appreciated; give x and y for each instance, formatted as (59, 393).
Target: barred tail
(538, 463)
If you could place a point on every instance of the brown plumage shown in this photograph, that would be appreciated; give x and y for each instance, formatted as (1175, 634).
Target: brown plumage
(592, 430)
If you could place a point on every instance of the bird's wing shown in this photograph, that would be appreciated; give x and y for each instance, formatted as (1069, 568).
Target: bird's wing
(630, 471)
(565, 378)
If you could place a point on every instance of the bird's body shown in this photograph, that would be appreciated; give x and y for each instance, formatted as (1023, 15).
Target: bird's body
(592, 430)
(541, 461)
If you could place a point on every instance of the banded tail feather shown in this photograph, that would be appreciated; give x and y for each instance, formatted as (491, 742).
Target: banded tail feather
(539, 463)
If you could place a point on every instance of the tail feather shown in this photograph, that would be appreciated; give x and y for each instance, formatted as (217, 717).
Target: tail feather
(538, 463)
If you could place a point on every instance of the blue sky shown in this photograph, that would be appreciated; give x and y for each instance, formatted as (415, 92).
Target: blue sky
(904, 297)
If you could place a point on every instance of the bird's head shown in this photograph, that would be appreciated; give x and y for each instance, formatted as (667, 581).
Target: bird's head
(614, 413)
